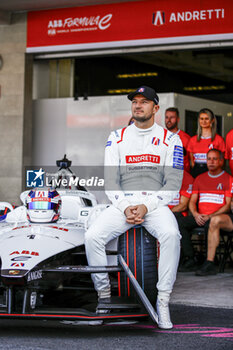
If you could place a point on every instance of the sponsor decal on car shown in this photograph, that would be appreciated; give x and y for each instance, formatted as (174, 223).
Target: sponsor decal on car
(21, 258)
(26, 252)
(17, 264)
(19, 227)
(34, 275)
(60, 228)
(84, 213)
(14, 272)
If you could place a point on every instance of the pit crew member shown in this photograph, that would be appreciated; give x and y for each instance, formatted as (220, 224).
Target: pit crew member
(229, 149)
(206, 139)
(172, 118)
(217, 223)
(211, 196)
(179, 205)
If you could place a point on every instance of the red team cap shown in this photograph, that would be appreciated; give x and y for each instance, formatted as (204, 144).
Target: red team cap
(147, 92)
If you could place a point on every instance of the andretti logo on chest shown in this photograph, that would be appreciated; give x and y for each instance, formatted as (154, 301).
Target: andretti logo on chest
(141, 158)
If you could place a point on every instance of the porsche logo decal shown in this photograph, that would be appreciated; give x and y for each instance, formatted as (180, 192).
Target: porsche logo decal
(14, 272)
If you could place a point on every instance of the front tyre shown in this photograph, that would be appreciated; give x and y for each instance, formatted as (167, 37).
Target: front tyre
(139, 249)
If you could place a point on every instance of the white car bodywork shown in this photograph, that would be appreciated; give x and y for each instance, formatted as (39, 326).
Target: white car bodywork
(24, 245)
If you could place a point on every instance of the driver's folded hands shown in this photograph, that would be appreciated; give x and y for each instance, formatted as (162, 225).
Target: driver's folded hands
(135, 214)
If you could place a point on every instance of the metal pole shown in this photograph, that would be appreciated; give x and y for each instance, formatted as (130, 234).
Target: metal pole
(9, 300)
(145, 301)
(25, 296)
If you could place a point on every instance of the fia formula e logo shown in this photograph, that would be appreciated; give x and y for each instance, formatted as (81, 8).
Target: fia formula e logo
(158, 18)
(35, 178)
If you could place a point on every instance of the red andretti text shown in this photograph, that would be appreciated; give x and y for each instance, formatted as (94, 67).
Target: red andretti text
(140, 158)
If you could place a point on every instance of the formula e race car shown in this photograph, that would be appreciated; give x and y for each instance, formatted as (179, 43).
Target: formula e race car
(44, 271)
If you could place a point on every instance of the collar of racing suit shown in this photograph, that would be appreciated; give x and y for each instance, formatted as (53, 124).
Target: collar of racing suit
(144, 131)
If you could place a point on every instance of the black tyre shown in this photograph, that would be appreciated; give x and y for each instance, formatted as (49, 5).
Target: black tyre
(139, 249)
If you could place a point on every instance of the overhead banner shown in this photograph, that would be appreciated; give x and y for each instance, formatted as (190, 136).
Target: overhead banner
(129, 24)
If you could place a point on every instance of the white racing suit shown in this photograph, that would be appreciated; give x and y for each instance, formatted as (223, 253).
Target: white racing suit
(141, 167)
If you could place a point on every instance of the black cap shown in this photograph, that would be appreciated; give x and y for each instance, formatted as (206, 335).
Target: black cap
(147, 92)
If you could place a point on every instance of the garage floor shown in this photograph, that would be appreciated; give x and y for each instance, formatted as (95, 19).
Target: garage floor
(210, 291)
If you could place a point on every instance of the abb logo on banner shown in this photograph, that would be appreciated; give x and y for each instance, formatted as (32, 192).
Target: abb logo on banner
(97, 21)
(129, 24)
(78, 24)
(147, 158)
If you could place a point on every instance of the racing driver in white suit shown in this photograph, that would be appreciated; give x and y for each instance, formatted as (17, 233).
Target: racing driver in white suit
(143, 173)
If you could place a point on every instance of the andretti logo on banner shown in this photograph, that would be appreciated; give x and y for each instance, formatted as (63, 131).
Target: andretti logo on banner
(158, 18)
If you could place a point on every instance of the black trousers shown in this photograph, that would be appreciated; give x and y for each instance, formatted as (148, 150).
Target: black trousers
(198, 169)
(186, 224)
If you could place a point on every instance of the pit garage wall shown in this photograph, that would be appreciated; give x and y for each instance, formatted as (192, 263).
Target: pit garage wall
(80, 128)
(13, 105)
(183, 103)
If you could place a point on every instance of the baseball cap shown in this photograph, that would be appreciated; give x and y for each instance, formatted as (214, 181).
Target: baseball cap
(145, 91)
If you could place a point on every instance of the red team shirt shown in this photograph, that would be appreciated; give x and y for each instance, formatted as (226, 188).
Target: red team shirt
(185, 138)
(186, 191)
(212, 191)
(199, 149)
(229, 149)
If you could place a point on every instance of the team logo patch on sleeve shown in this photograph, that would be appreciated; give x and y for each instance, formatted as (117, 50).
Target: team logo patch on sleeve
(108, 143)
(178, 161)
(190, 189)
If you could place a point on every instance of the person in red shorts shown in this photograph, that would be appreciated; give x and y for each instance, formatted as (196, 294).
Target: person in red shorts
(172, 118)
(211, 196)
(206, 139)
(229, 149)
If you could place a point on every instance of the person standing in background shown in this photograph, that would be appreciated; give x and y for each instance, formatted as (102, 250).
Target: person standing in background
(229, 149)
(172, 118)
(206, 139)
